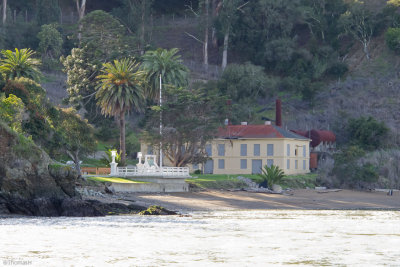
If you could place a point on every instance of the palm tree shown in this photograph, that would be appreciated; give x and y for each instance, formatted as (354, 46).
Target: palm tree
(20, 64)
(120, 89)
(167, 64)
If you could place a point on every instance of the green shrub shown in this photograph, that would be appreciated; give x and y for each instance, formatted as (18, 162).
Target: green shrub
(337, 70)
(17, 89)
(367, 133)
(367, 173)
(11, 111)
(392, 38)
(132, 144)
(108, 158)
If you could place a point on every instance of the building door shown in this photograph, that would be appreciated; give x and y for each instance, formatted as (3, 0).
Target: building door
(209, 167)
(256, 165)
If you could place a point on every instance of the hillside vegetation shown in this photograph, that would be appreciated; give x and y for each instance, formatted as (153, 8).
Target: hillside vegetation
(333, 63)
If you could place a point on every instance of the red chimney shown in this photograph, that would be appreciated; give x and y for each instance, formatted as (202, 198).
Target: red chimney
(278, 113)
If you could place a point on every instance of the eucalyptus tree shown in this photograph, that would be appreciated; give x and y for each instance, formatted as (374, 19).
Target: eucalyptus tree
(228, 11)
(120, 89)
(359, 22)
(20, 64)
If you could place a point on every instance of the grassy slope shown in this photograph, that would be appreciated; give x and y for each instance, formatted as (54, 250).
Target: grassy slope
(223, 181)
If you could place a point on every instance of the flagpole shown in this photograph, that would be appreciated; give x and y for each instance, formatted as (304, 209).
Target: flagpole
(161, 161)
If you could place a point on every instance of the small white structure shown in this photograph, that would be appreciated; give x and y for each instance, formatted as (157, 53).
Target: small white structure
(150, 169)
(113, 164)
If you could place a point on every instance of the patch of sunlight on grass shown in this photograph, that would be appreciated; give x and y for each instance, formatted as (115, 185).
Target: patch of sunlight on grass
(114, 180)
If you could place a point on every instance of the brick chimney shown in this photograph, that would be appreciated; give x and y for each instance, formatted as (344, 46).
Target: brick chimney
(278, 113)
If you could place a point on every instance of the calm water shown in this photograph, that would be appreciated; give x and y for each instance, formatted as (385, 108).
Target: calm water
(231, 238)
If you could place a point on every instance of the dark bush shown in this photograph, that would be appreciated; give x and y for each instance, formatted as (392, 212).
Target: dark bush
(392, 38)
(337, 70)
(367, 133)
(17, 89)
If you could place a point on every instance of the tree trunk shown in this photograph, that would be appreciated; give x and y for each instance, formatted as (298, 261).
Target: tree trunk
(214, 40)
(77, 163)
(122, 150)
(365, 48)
(225, 52)
(75, 158)
(205, 46)
(81, 13)
(142, 34)
(4, 11)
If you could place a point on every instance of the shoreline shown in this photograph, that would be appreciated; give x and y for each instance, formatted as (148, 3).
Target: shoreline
(299, 199)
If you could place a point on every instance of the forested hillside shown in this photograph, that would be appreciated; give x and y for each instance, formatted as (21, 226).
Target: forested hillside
(333, 63)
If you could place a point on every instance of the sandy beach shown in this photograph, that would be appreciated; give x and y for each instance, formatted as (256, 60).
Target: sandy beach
(211, 200)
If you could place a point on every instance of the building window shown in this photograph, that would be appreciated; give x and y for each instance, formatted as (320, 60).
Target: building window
(288, 150)
(270, 162)
(221, 150)
(304, 165)
(295, 152)
(304, 151)
(256, 149)
(149, 150)
(221, 164)
(243, 164)
(243, 150)
(209, 150)
(296, 164)
(195, 166)
(270, 149)
(288, 164)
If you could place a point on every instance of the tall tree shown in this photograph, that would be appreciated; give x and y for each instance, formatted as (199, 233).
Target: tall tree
(81, 68)
(206, 31)
(50, 41)
(358, 22)
(103, 34)
(120, 89)
(47, 11)
(190, 119)
(227, 15)
(166, 63)
(20, 64)
(77, 136)
(135, 15)
(214, 8)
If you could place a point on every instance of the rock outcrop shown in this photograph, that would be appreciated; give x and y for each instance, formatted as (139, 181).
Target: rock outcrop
(31, 185)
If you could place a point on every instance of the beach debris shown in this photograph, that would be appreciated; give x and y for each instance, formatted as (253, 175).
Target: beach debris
(277, 188)
(329, 191)
(320, 188)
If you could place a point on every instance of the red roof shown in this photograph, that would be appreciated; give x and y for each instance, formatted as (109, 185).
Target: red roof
(318, 136)
(255, 131)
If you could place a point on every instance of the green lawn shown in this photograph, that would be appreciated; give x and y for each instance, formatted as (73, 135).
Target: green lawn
(114, 180)
(224, 181)
(216, 181)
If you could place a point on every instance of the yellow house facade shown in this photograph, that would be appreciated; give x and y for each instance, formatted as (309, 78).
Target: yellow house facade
(245, 149)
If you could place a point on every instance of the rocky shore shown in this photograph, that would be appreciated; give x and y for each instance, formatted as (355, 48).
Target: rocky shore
(31, 184)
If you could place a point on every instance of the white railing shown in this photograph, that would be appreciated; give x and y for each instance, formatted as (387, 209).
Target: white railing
(163, 172)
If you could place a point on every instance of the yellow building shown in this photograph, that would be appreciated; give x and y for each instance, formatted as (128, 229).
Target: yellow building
(245, 149)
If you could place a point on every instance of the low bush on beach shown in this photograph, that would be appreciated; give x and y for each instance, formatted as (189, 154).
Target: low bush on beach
(271, 175)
